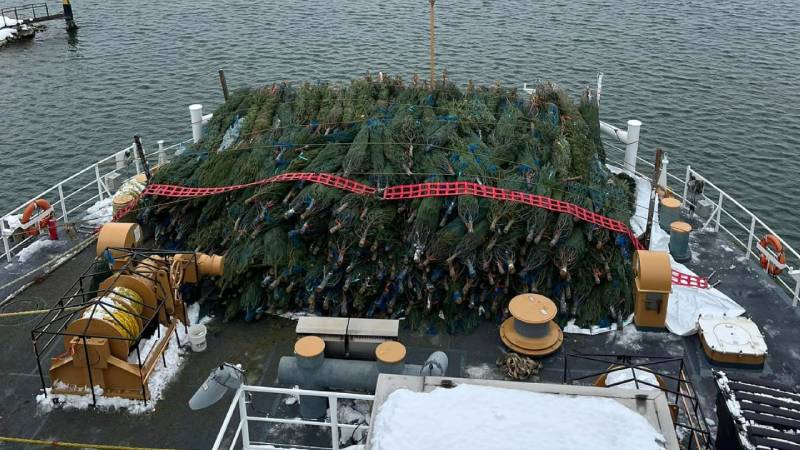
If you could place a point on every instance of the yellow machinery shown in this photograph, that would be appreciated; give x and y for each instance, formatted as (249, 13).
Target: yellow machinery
(653, 282)
(103, 322)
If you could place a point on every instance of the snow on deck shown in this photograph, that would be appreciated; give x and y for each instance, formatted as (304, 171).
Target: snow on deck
(8, 33)
(482, 417)
(686, 304)
(157, 383)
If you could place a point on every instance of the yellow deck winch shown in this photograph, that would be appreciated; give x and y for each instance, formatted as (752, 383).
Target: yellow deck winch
(102, 322)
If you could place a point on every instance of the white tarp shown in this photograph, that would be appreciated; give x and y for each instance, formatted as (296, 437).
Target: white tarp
(685, 303)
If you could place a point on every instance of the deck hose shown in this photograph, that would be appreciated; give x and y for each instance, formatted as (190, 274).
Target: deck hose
(41, 442)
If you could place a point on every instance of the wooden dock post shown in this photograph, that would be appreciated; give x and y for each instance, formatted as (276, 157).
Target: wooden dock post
(71, 26)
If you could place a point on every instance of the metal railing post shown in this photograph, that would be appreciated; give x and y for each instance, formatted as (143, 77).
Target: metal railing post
(162, 154)
(719, 211)
(662, 177)
(196, 114)
(686, 184)
(333, 404)
(7, 247)
(99, 181)
(632, 145)
(119, 157)
(750, 237)
(63, 202)
(243, 421)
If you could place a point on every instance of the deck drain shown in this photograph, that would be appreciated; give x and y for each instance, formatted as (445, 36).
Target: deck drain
(22, 304)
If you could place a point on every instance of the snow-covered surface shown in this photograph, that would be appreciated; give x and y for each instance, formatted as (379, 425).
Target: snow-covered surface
(8, 21)
(42, 244)
(482, 417)
(353, 411)
(35, 247)
(99, 213)
(292, 399)
(733, 408)
(7, 33)
(231, 134)
(733, 335)
(14, 221)
(625, 378)
(159, 380)
(686, 304)
(571, 328)
(483, 371)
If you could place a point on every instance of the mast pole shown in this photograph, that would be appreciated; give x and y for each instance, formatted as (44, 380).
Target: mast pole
(432, 41)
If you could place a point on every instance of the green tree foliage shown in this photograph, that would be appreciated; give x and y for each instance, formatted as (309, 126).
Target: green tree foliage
(447, 262)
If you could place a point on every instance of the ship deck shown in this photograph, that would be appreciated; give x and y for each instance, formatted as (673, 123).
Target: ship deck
(258, 347)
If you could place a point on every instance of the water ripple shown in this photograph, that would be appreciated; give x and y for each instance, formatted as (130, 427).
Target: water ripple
(715, 83)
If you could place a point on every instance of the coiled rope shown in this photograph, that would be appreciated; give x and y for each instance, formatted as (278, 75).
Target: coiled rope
(518, 367)
(119, 308)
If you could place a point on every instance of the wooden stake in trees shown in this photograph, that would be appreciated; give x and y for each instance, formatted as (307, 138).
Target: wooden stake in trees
(224, 84)
(645, 237)
(142, 158)
(432, 41)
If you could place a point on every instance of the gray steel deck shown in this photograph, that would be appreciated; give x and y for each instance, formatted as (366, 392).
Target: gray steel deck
(258, 346)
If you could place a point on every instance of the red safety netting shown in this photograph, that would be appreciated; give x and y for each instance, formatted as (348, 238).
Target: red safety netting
(421, 190)
(683, 279)
(334, 181)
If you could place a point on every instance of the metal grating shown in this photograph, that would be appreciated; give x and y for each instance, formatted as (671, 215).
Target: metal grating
(757, 413)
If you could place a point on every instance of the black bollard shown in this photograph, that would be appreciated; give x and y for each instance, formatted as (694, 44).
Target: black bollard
(71, 26)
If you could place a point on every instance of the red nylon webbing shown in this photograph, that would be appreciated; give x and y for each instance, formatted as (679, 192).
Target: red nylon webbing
(334, 181)
(423, 190)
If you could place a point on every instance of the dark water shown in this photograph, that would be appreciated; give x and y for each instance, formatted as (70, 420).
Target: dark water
(716, 84)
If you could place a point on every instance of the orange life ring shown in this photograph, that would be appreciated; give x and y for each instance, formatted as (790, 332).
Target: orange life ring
(41, 204)
(772, 241)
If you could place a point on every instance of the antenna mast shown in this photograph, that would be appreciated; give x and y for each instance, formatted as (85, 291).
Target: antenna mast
(432, 40)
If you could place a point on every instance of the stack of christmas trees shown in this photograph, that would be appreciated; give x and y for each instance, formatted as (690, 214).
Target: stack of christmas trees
(445, 260)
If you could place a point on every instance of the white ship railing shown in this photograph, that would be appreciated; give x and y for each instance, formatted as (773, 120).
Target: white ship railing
(76, 194)
(241, 435)
(742, 226)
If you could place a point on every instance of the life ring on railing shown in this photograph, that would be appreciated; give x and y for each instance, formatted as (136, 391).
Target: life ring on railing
(42, 205)
(771, 241)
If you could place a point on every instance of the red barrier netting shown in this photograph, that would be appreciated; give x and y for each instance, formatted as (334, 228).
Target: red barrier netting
(422, 190)
(334, 181)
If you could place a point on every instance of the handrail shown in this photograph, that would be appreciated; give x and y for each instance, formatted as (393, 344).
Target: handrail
(91, 178)
(242, 430)
(732, 223)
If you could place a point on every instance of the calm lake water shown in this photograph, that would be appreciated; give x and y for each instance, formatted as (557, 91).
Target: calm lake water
(716, 84)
